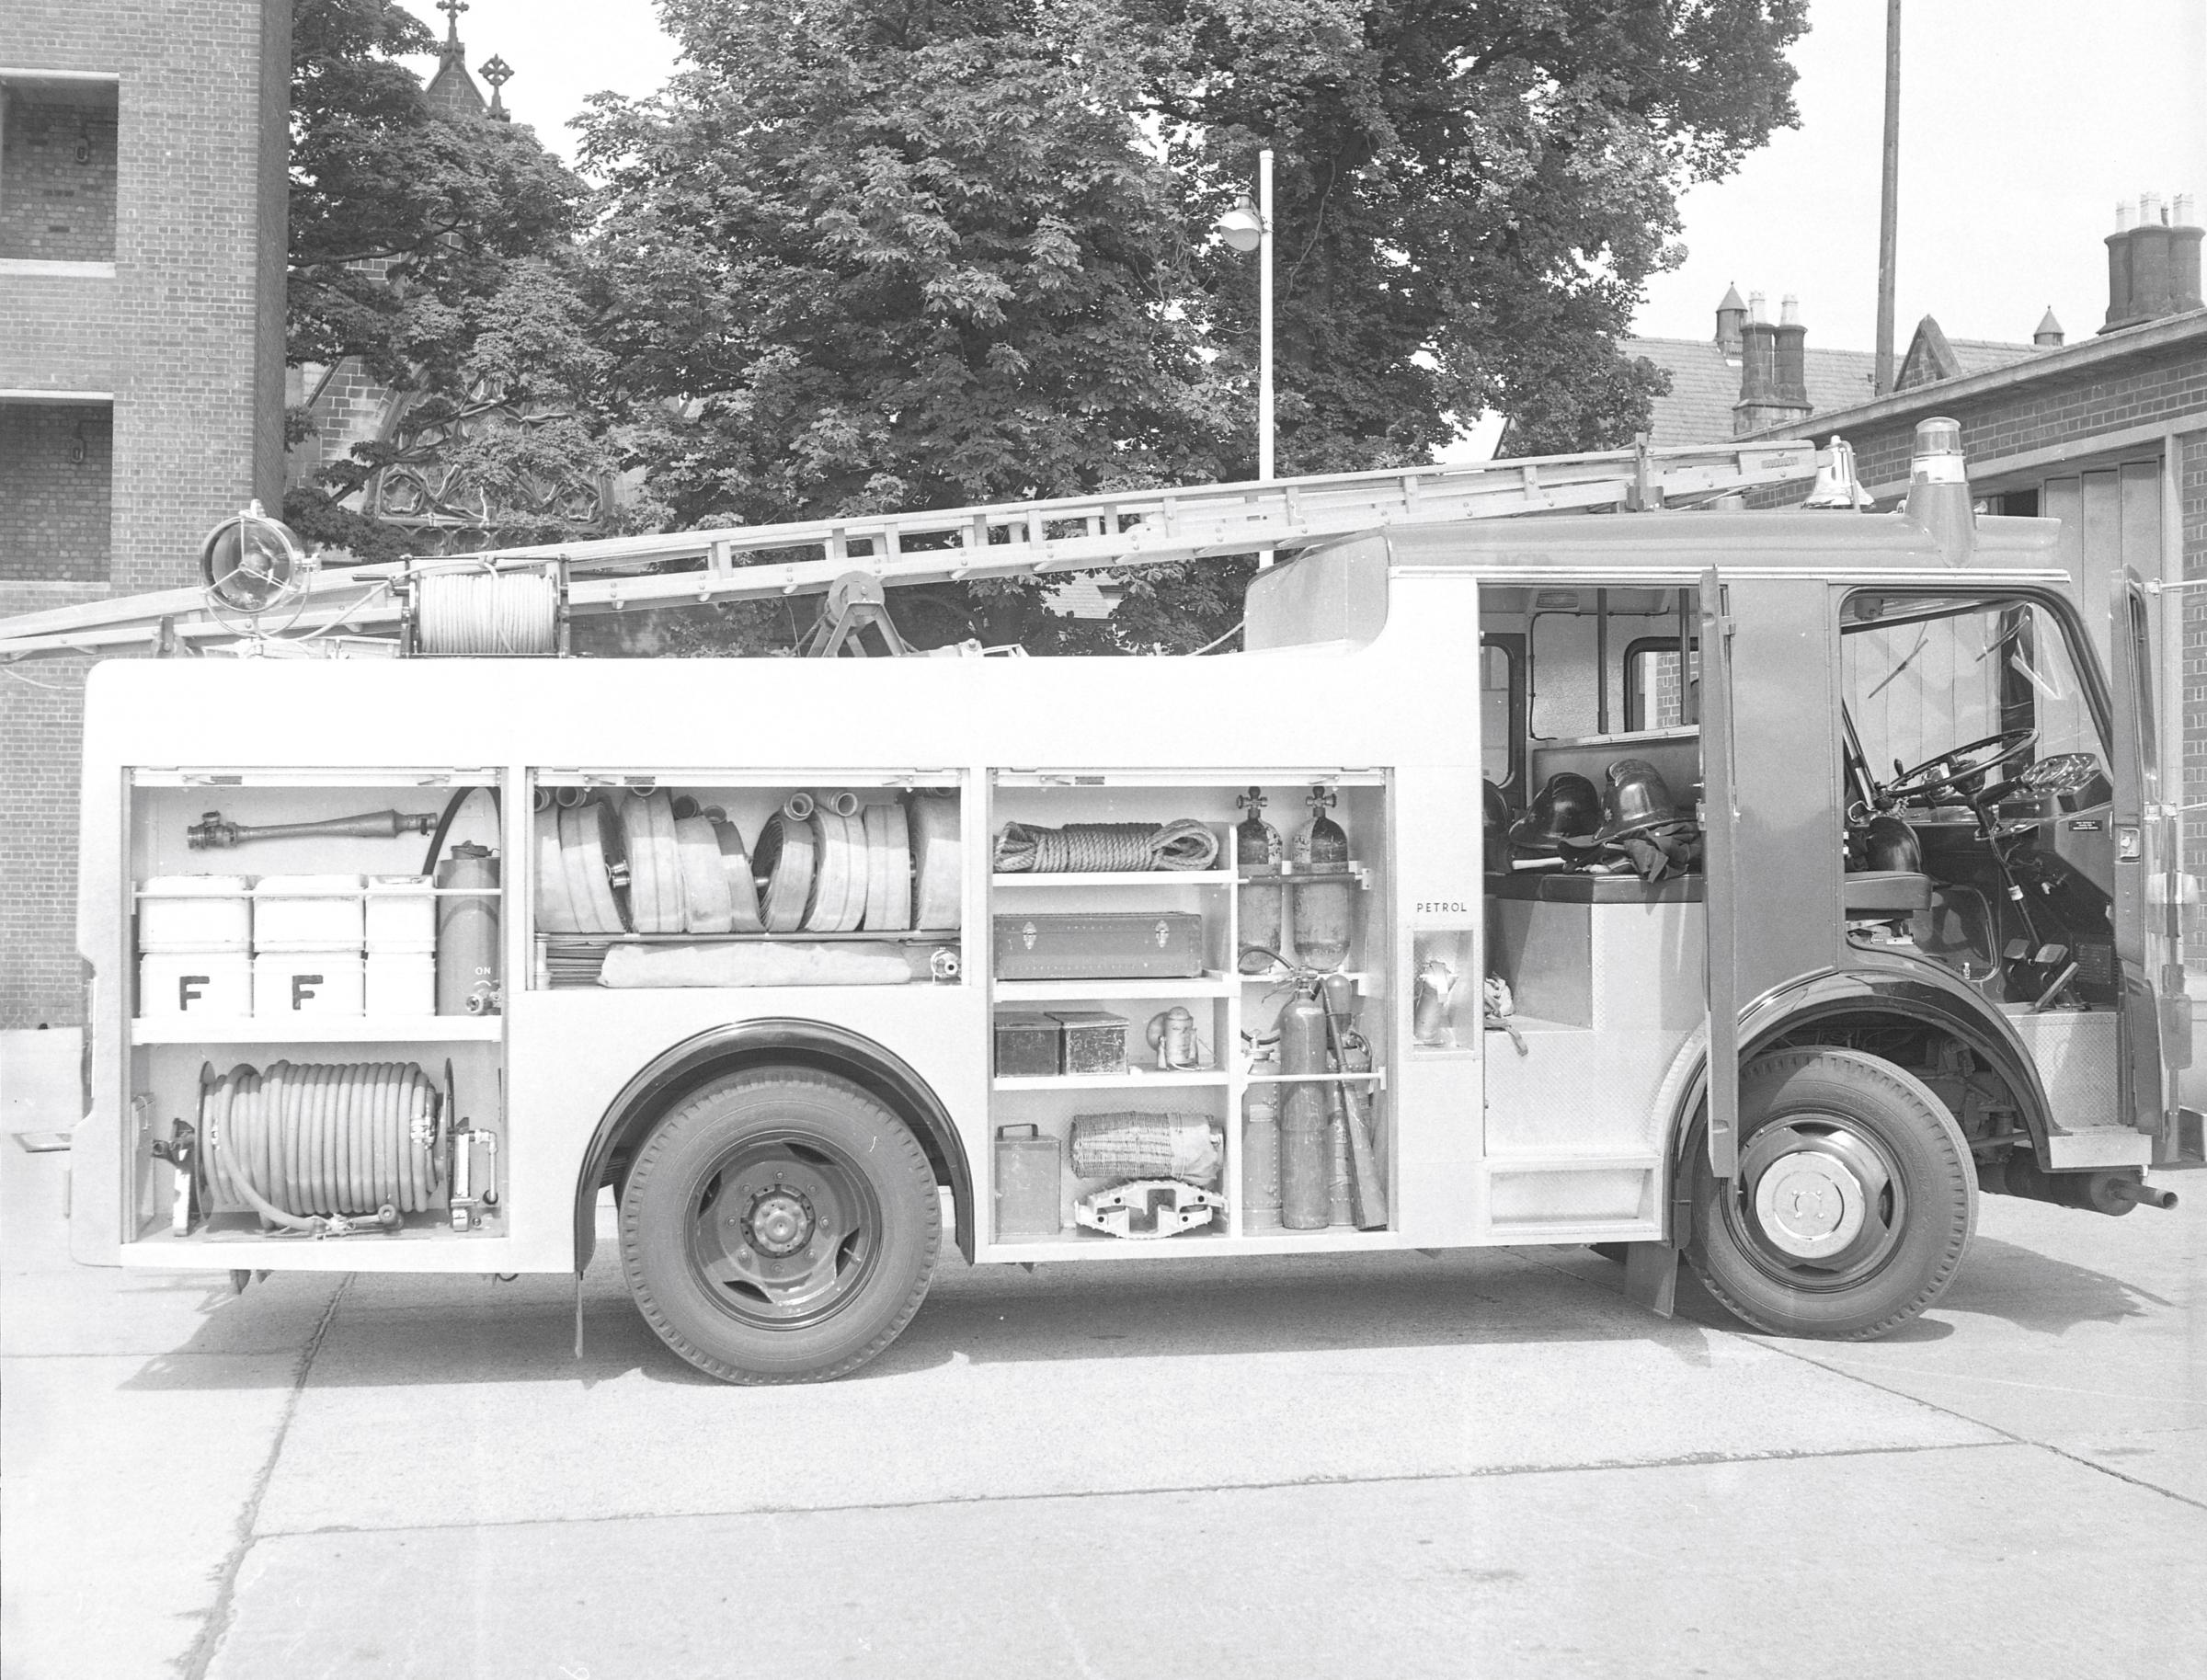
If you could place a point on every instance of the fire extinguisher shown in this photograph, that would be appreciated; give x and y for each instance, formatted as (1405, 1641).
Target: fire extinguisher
(467, 933)
(1306, 1151)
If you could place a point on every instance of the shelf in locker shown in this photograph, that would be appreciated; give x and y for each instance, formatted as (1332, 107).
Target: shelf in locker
(1377, 1078)
(1131, 1081)
(1118, 877)
(1211, 983)
(317, 1030)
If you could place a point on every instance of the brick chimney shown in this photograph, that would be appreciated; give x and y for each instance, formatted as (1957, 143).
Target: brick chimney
(1773, 371)
(2153, 266)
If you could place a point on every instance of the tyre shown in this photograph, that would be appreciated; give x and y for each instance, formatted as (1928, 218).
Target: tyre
(779, 1226)
(1855, 1200)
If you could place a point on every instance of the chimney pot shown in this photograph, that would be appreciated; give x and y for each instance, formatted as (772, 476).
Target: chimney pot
(2123, 215)
(1755, 306)
(2187, 213)
(1788, 310)
(2149, 209)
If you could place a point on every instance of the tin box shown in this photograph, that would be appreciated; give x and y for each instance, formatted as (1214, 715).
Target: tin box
(1095, 1040)
(1028, 1045)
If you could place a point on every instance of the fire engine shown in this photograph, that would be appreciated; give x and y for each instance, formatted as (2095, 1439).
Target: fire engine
(1752, 889)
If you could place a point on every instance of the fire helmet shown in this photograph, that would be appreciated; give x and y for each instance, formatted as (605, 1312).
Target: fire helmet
(1638, 799)
(1564, 815)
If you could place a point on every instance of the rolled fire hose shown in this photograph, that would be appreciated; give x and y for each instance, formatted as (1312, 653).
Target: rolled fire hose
(655, 867)
(707, 905)
(934, 834)
(487, 613)
(736, 864)
(554, 910)
(888, 869)
(592, 842)
(782, 861)
(309, 1143)
(838, 901)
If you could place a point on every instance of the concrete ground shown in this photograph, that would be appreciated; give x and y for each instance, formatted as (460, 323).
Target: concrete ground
(1484, 1464)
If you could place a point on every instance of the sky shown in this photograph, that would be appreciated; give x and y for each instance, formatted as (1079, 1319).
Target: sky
(2022, 121)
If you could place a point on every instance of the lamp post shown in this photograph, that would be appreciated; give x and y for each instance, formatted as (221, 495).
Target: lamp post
(1245, 228)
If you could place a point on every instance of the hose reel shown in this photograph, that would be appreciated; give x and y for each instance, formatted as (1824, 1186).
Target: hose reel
(477, 610)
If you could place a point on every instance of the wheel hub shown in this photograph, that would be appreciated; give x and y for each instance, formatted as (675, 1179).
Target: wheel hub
(1809, 1205)
(779, 1221)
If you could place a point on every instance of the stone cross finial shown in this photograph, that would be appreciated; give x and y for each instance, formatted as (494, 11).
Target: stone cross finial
(498, 73)
(451, 10)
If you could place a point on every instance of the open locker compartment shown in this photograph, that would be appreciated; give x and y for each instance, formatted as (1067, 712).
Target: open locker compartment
(1195, 1044)
(647, 879)
(289, 1074)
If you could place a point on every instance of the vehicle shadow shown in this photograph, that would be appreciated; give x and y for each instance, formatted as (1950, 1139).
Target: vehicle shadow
(388, 1330)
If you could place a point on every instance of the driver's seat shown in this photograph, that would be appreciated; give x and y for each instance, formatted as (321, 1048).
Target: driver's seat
(1900, 888)
(1884, 895)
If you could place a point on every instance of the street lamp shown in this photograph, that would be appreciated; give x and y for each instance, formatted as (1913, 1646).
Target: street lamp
(1245, 228)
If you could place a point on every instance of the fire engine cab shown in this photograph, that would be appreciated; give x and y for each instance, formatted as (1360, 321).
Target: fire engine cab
(1755, 890)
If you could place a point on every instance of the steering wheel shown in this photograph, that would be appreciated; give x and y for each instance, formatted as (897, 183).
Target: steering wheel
(2063, 772)
(1920, 782)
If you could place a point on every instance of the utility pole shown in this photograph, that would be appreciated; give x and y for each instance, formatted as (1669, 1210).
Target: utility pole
(1889, 206)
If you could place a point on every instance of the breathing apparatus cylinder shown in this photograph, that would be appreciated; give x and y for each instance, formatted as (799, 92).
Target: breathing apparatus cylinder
(1321, 914)
(1257, 843)
(467, 933)
(1306, 1154)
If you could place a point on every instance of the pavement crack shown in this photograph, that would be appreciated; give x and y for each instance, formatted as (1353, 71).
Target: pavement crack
(1480, 1473)
(201, 1654)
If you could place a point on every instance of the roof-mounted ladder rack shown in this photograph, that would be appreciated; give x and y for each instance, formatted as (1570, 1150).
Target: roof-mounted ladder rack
(1005, 540)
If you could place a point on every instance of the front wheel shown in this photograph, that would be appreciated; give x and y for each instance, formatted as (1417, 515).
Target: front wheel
(1853, 1205)
(779, 1226)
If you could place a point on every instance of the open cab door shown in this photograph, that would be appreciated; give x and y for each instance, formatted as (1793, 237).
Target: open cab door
(2156, 1013)
(1719, 829)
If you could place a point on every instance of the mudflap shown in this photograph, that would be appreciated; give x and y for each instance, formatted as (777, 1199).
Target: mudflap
(1651, 1277)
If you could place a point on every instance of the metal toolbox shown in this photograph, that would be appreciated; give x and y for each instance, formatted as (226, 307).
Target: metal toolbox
(1028, 1045)
(1100, 945)
(1095, 1040)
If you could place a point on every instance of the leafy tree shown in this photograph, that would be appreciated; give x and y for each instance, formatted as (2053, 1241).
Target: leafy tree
(881, 253)
(440, 250)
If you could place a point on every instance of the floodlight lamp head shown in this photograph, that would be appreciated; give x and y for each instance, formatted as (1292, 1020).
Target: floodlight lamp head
(1241, 227)
(251, 564)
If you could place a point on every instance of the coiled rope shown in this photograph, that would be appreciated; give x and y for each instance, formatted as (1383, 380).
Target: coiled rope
(1102, 847)
(310, 1143)
(487, 613)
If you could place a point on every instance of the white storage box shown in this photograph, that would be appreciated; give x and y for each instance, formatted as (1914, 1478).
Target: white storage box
(401, 983)
(294, 983)
(195, 983)
(307, 913)
(195, 913)
(402, 916)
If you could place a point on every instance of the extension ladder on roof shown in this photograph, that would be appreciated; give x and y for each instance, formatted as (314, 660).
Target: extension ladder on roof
(1012, 538)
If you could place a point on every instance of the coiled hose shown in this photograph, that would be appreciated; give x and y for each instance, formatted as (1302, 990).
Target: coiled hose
(1082, 847)
(487, 613)
(313, 1146)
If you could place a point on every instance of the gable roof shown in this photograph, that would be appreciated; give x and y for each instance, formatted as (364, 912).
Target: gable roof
(1932, 355)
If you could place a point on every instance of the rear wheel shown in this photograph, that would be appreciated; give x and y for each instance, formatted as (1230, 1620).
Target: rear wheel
(779, 1226)
(1853, 1202)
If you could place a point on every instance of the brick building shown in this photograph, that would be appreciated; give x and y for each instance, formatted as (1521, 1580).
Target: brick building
(2108, 434)
(142, 268)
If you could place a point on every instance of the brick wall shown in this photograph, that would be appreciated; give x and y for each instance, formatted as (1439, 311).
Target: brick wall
(41, 726)
(57, 174)
(54, 463)
(187, 338)
(2191, 515)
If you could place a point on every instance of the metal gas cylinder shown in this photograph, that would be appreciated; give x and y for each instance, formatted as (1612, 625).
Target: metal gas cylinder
(467, 933)
(1323, 916)
(1260, 1158)
(1257, 844)
(1306, 1151)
